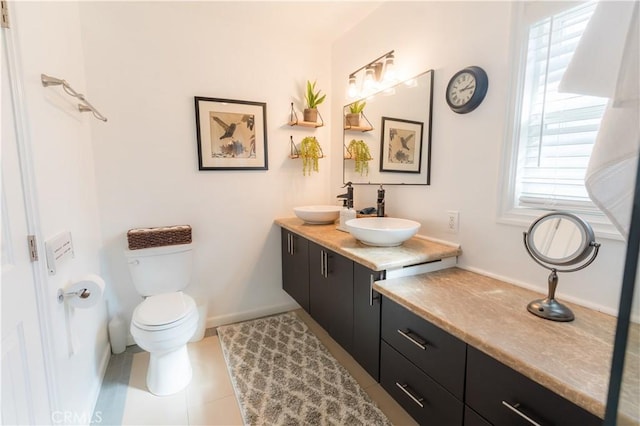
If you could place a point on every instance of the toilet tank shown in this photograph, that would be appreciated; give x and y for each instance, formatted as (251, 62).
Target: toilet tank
(158, 270)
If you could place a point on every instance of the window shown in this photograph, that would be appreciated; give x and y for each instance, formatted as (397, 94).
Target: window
(553, 133)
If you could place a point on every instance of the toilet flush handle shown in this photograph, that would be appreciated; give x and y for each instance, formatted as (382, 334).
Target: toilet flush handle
(134, 262)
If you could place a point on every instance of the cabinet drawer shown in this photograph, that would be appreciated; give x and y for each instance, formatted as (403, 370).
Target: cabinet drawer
(504, 397)
(424, 399)
(436, 352)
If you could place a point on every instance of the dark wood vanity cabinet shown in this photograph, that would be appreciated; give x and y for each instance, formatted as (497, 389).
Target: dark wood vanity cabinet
(366, 319)
(331, 293)
(338, 294)
(440, 380)
(505, 397)
(422, 367)
(295, 267)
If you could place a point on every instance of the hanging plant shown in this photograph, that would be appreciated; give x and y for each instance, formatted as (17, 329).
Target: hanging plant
(310, 151)
(359, 151)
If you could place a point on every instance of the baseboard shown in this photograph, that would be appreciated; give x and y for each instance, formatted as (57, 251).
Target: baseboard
(215, 321)
(104, 363)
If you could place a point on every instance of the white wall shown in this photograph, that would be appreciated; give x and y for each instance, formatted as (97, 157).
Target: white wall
(466, 149)
(145, 62)
(48, 35)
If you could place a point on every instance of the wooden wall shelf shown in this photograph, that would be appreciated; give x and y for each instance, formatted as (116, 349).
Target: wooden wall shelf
(293, 120)
(305, 124)
(358, 128)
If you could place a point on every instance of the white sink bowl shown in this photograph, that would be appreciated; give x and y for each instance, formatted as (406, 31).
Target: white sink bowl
(382, 231)
(318, 215)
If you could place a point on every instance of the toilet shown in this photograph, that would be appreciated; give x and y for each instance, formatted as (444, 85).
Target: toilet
(167, 318)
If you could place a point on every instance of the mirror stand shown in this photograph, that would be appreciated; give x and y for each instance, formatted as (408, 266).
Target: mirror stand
(549, 307)
(559, 239)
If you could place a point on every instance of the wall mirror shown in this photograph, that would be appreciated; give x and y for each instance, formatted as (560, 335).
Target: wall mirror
(395, 125)
(561, 242)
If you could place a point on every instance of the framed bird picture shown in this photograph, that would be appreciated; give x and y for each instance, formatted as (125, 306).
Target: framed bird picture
(400, 145)
(232, 134)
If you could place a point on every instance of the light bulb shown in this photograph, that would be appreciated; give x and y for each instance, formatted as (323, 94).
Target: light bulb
(389, 70)
(352, 92)
(369, 83)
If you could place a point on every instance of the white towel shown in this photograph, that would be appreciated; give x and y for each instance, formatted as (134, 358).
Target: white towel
(605, 64)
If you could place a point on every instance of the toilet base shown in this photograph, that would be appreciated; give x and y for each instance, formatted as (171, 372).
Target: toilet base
(169, 372)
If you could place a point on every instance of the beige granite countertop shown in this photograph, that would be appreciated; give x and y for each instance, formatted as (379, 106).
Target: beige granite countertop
(571, 358)
(411, 252)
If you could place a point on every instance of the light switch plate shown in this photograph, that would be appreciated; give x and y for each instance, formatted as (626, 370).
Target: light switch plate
(58, 248)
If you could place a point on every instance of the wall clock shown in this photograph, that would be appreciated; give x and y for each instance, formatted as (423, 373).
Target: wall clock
(467, 89)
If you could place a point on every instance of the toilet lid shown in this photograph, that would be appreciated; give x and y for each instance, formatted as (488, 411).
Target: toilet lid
(164, 308)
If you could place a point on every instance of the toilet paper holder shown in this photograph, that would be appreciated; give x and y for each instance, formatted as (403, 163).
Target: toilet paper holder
(82, 294)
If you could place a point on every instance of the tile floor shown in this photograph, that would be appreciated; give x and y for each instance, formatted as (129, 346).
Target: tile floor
(209, 399)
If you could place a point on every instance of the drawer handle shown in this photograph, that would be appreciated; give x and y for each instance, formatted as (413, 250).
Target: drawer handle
(411, 394)
(413, 338)
(516, 409)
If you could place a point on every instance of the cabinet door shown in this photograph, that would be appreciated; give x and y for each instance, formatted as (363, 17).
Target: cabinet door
(505, 397)
(331, 293)
(341, 307)
(366, 320)
(319, 299)
(295, 267)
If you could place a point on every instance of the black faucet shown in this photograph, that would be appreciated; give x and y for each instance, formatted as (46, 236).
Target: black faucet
(380, 210)
(348, 196)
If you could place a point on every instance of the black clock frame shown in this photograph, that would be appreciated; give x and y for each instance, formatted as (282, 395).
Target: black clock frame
(482, 84)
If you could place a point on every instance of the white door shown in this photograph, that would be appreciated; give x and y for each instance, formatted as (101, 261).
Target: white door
(24, 382)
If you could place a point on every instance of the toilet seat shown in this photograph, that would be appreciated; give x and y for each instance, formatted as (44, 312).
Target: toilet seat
(164, 311)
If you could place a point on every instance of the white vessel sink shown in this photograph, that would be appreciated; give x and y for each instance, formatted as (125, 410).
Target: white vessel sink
(317, 215)
(382, 231)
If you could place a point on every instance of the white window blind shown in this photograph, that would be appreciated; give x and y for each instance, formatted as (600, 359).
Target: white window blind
(557, 130)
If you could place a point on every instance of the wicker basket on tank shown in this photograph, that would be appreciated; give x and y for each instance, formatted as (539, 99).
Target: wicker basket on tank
(140, 238)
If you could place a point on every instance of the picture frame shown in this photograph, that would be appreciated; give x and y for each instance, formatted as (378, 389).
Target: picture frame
(232, 134)
(401, 145)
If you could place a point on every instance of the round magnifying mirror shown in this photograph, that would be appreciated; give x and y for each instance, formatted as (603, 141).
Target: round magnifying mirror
(560, 239)
(556, 240)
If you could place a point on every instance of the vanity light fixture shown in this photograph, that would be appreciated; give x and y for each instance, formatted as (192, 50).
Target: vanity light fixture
(379, 74)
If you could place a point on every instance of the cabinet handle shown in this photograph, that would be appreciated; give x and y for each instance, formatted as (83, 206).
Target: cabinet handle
(371, 296)
(289, 243)
(516, 409)
(293, 247)
(413, 338)
(411, 394)
(326, 264)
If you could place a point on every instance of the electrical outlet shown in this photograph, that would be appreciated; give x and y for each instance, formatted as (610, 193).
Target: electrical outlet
(453, 218)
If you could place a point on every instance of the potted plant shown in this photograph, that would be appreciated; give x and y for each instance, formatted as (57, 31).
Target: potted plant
(310, 152)
(313, 99)
(355, 109)
(359, 151)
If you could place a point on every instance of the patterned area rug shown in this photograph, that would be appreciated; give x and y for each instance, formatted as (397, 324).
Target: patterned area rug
(283, 375)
